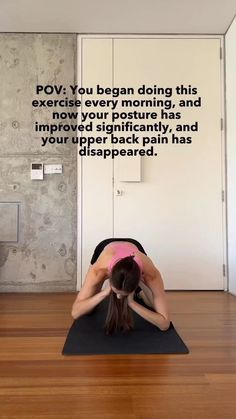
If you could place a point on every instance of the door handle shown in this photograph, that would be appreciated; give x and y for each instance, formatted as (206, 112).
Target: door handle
(119, 192)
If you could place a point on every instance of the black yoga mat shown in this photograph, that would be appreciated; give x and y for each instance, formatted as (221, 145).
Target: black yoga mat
(87, 337)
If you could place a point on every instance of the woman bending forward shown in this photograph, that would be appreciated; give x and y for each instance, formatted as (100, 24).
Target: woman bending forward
(131, 273)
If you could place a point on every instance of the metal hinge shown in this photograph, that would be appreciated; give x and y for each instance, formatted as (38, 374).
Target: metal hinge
(223, 196)
(221, 124)
(221, 53)
(224, 269)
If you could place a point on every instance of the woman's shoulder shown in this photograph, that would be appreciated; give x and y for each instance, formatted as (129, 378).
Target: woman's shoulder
(144, 258)
(149, 269)
(102, 263)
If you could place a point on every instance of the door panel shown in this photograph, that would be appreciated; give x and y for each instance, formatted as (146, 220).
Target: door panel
(176, 211)
(175, 208)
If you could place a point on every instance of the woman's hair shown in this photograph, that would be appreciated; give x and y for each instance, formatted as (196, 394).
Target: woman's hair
(125, 276)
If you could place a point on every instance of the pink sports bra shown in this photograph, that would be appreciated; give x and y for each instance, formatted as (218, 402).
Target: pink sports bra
(122, 250)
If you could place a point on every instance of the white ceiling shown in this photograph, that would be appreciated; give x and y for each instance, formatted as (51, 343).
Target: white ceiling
(117, 16)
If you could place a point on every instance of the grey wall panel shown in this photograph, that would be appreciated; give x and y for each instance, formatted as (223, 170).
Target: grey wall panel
(44, 257)
(9, 221)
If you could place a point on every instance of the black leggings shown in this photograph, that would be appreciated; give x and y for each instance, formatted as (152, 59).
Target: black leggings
(99, 248)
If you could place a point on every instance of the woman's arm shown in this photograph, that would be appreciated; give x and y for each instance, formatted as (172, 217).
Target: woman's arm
(81, 307)
(90, 294)
(154, 282)
(155, 318)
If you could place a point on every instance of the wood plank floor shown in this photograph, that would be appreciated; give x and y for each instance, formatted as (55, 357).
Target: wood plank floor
(37, 382)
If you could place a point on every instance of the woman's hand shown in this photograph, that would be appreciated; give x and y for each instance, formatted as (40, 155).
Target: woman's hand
(107, 290)
(130, 297)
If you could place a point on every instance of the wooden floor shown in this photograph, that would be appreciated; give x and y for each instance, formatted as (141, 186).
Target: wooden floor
(36, 381)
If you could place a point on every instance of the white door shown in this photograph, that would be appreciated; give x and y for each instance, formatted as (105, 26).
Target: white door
(174, 208)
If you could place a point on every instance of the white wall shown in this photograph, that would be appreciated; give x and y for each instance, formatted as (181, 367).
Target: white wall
(231, 150)
(117, 16)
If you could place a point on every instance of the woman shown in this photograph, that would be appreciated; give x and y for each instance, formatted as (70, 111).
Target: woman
(131, 273)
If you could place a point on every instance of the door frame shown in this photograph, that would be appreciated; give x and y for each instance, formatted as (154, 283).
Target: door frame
(78, 79)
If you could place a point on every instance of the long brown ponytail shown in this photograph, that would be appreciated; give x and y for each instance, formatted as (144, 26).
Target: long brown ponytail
(125, 276)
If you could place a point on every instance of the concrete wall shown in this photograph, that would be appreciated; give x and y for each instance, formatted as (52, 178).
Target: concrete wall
(231, 150)
(37, 218)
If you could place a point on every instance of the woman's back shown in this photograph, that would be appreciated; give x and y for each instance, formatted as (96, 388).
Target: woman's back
(120, 249)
